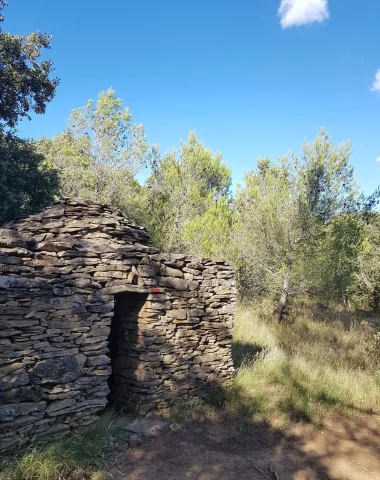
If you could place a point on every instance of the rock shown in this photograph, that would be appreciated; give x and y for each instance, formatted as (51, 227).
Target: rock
(195, 265)
(12, 381)
(20, 283)
(208, 357)
(98, 360)
(10, 412)
(195, 312)
(147, 270)
(174, 282)
(11, 239)
(21, 394)
(61, 368)
(55, 407)
(180, 314)
(150, 426)
(173, 272)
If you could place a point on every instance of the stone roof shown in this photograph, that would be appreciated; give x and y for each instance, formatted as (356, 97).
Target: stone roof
(72, 229)
(74, 217)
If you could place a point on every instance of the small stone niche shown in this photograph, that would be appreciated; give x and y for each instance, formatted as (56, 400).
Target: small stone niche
(92, 315)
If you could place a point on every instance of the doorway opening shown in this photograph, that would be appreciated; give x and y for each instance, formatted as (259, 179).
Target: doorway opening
(123, 348)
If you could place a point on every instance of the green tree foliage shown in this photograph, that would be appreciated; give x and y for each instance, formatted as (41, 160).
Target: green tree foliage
(267, 225)
(368, 277)
(99, 153)
(25, 83)
(208, 233)
(116, 142)
(26, 183)
(70, 157)
(188, 198)
(331, 265)
(287, 211)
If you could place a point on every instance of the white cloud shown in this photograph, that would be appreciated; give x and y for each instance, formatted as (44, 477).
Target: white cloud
(376, 83)
(301, 12)
(378, 159)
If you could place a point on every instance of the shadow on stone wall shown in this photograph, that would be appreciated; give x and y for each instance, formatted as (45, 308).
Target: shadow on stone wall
(155, 362)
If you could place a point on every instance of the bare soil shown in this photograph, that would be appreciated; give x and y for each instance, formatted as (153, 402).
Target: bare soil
(223, 449)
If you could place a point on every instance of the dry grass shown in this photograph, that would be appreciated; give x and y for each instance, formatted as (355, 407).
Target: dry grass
(313, 366)
(78, 457)
(318, 365)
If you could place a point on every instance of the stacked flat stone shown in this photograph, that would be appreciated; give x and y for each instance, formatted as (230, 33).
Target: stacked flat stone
(80, 276)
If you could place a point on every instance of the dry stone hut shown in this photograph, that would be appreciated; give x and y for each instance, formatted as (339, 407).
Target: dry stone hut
(91, 314)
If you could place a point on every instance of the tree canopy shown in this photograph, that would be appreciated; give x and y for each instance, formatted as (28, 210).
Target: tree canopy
(185, 187)
(25, 83)
(26, 183)
(287, 211)
(99, 153)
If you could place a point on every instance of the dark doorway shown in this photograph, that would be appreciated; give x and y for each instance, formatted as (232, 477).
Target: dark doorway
(124, 348)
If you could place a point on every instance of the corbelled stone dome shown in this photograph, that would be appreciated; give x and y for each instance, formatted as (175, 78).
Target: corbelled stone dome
(91, 313)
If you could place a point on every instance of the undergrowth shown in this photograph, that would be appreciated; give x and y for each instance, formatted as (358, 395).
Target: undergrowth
(313, 366)
(319, 364)
(80, 456)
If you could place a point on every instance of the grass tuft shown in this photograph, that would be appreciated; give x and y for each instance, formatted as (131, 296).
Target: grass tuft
(80, 456)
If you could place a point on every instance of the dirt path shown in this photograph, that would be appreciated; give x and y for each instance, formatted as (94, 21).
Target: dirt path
(220, 450)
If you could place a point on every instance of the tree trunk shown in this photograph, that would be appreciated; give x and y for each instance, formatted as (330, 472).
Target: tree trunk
(283, 299)
(375, 300)
(346, 302)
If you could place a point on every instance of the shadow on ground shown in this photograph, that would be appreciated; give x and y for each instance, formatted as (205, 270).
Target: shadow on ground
(222, 449)
(225, 443)
(217, 445)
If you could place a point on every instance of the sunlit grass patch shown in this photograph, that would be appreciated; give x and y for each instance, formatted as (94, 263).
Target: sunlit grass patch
(304, 370)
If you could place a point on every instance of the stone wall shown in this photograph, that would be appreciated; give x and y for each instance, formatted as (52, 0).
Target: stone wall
(87, 304)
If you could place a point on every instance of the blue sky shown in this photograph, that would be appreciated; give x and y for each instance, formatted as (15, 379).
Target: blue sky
(254, 78)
